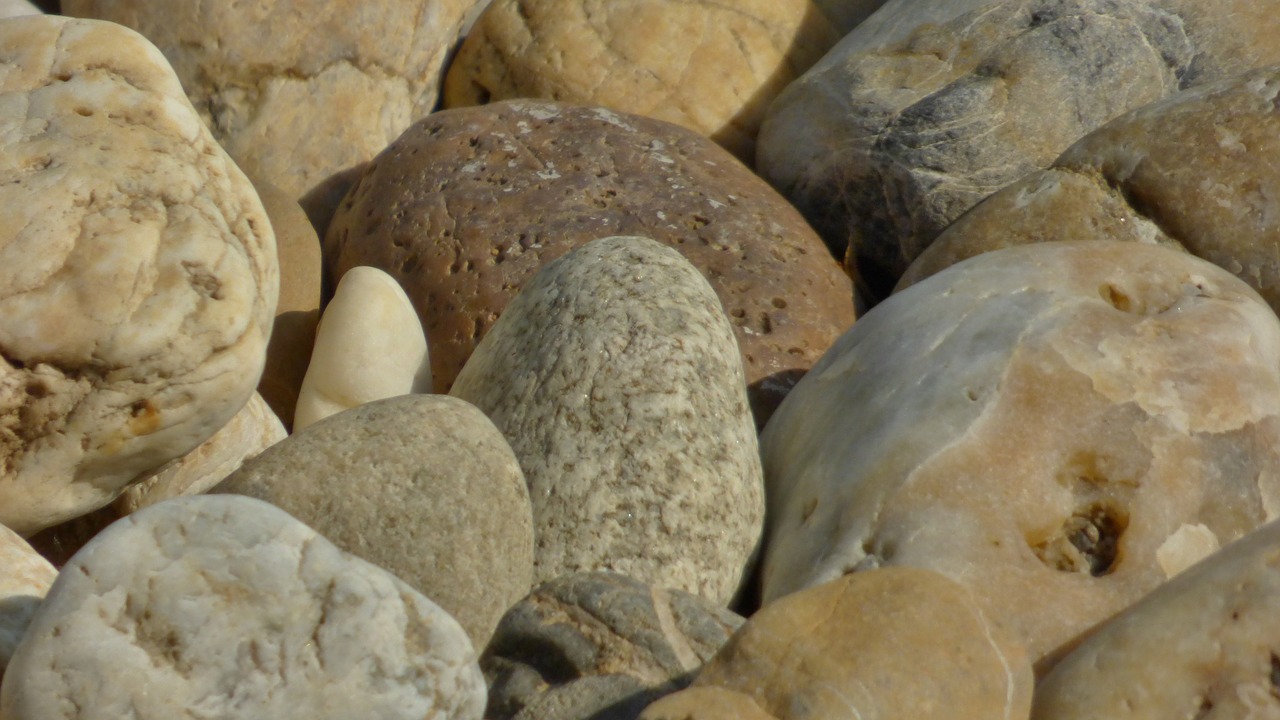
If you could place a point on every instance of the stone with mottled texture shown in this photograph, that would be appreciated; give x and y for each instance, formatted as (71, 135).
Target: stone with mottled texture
(421, 485)
(466, 206)
(615, 377)
(1060, 426)
(138, 270)
(888, 643)
(618, 644)
(25, 577)
(707, 66)
(222, 606)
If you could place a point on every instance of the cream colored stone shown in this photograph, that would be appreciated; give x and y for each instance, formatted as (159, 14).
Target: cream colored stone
(1035, 423)
(369, 346)
(18, 8)
(1187, 546)
(25, 578)
(1203, 646)
(225, 606)
(706, 66)
(138, 270)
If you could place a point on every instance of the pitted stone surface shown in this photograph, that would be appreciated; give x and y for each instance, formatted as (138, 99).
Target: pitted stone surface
(1041, 423)
(617, 645)
(224, 606)
(615, 378)
(466, 206)
(138, 272)
(25, 577)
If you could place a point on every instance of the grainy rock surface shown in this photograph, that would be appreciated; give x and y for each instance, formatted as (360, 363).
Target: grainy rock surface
(927, 108)
(889, 643)
(25, 577)
(268, 75)
(1047, 424)
(466, 206)
(598, 645)
(422, 485)
(138, 270)
(369, 346)
(1200, 169)
(711, 67)
(615, 378)
(1204, 645)
(222, 606)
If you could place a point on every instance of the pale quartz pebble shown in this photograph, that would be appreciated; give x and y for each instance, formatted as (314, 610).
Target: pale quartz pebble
(369, 346)
(220, 606)
(1187, 546)
(138, 272)
(25, 577)
(17, 8)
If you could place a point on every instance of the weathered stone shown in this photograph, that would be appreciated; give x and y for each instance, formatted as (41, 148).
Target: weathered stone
(1204, 645)
(598, 645)
(421, 485)
(299, 90)
(369, 346)
(25, 577)
(706, 66)
(889, 643)
(466, 206)
(222, 606)
(926, 108)
(1040, 423)
(706, 703)
(615, 377)
(138, 270)
(1200, 169)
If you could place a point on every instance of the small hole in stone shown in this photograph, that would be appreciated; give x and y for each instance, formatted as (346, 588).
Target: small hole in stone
(84, 112)
(1087, 542)
(1117, 297)
(1275, 676)
(779, 303)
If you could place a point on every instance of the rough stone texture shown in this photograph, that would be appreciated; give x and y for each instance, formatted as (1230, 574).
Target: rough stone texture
(598, 645)
(138, 270)
(422, 485)
(708, 66)
(25, 577)
(221, 606)
(298, 310)
(1200, 169)
(890, 643)
(369, 346)
(534, 180)
(615, 378)
(267, 75)
(1040, 423)
(1204, 645)
(927, 108)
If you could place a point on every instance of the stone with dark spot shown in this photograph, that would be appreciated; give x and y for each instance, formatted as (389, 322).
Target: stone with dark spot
(469, 203)
(598, 643)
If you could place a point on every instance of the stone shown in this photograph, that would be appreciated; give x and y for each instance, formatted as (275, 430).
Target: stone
(845, 15)
(1040, 423)
(293, 334)
(269, 76)
(598, 645)
(927, 108)
(224, 606)
(1202, 645)
(138, 270)
(887, 643)
(706, 703)
(1197, 170)
(706, 66)
(534, 180)
(25, 578)
(369, 346)
(421, 485)
(615, 378)
(18, 8)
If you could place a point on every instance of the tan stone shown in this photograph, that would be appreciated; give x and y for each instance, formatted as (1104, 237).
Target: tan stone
(299, 89)
(138, 270)
(1204, 645)
(25, 578)
(1041, 423)
(889, 643)
(706, 66)
(706, 703)
(17, 8)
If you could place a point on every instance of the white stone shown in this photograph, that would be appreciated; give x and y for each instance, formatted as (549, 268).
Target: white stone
(25, 577)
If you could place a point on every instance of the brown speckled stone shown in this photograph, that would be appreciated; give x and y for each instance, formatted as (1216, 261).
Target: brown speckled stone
(466, 206)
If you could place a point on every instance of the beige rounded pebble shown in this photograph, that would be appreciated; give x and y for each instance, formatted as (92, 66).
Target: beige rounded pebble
(18, 8)
(369, 346)
(224, 606)
(138, 271)
(615, 376)
(25, 577)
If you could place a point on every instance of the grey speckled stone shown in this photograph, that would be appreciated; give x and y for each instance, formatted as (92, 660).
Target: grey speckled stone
(598, 645)
(615, 377)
